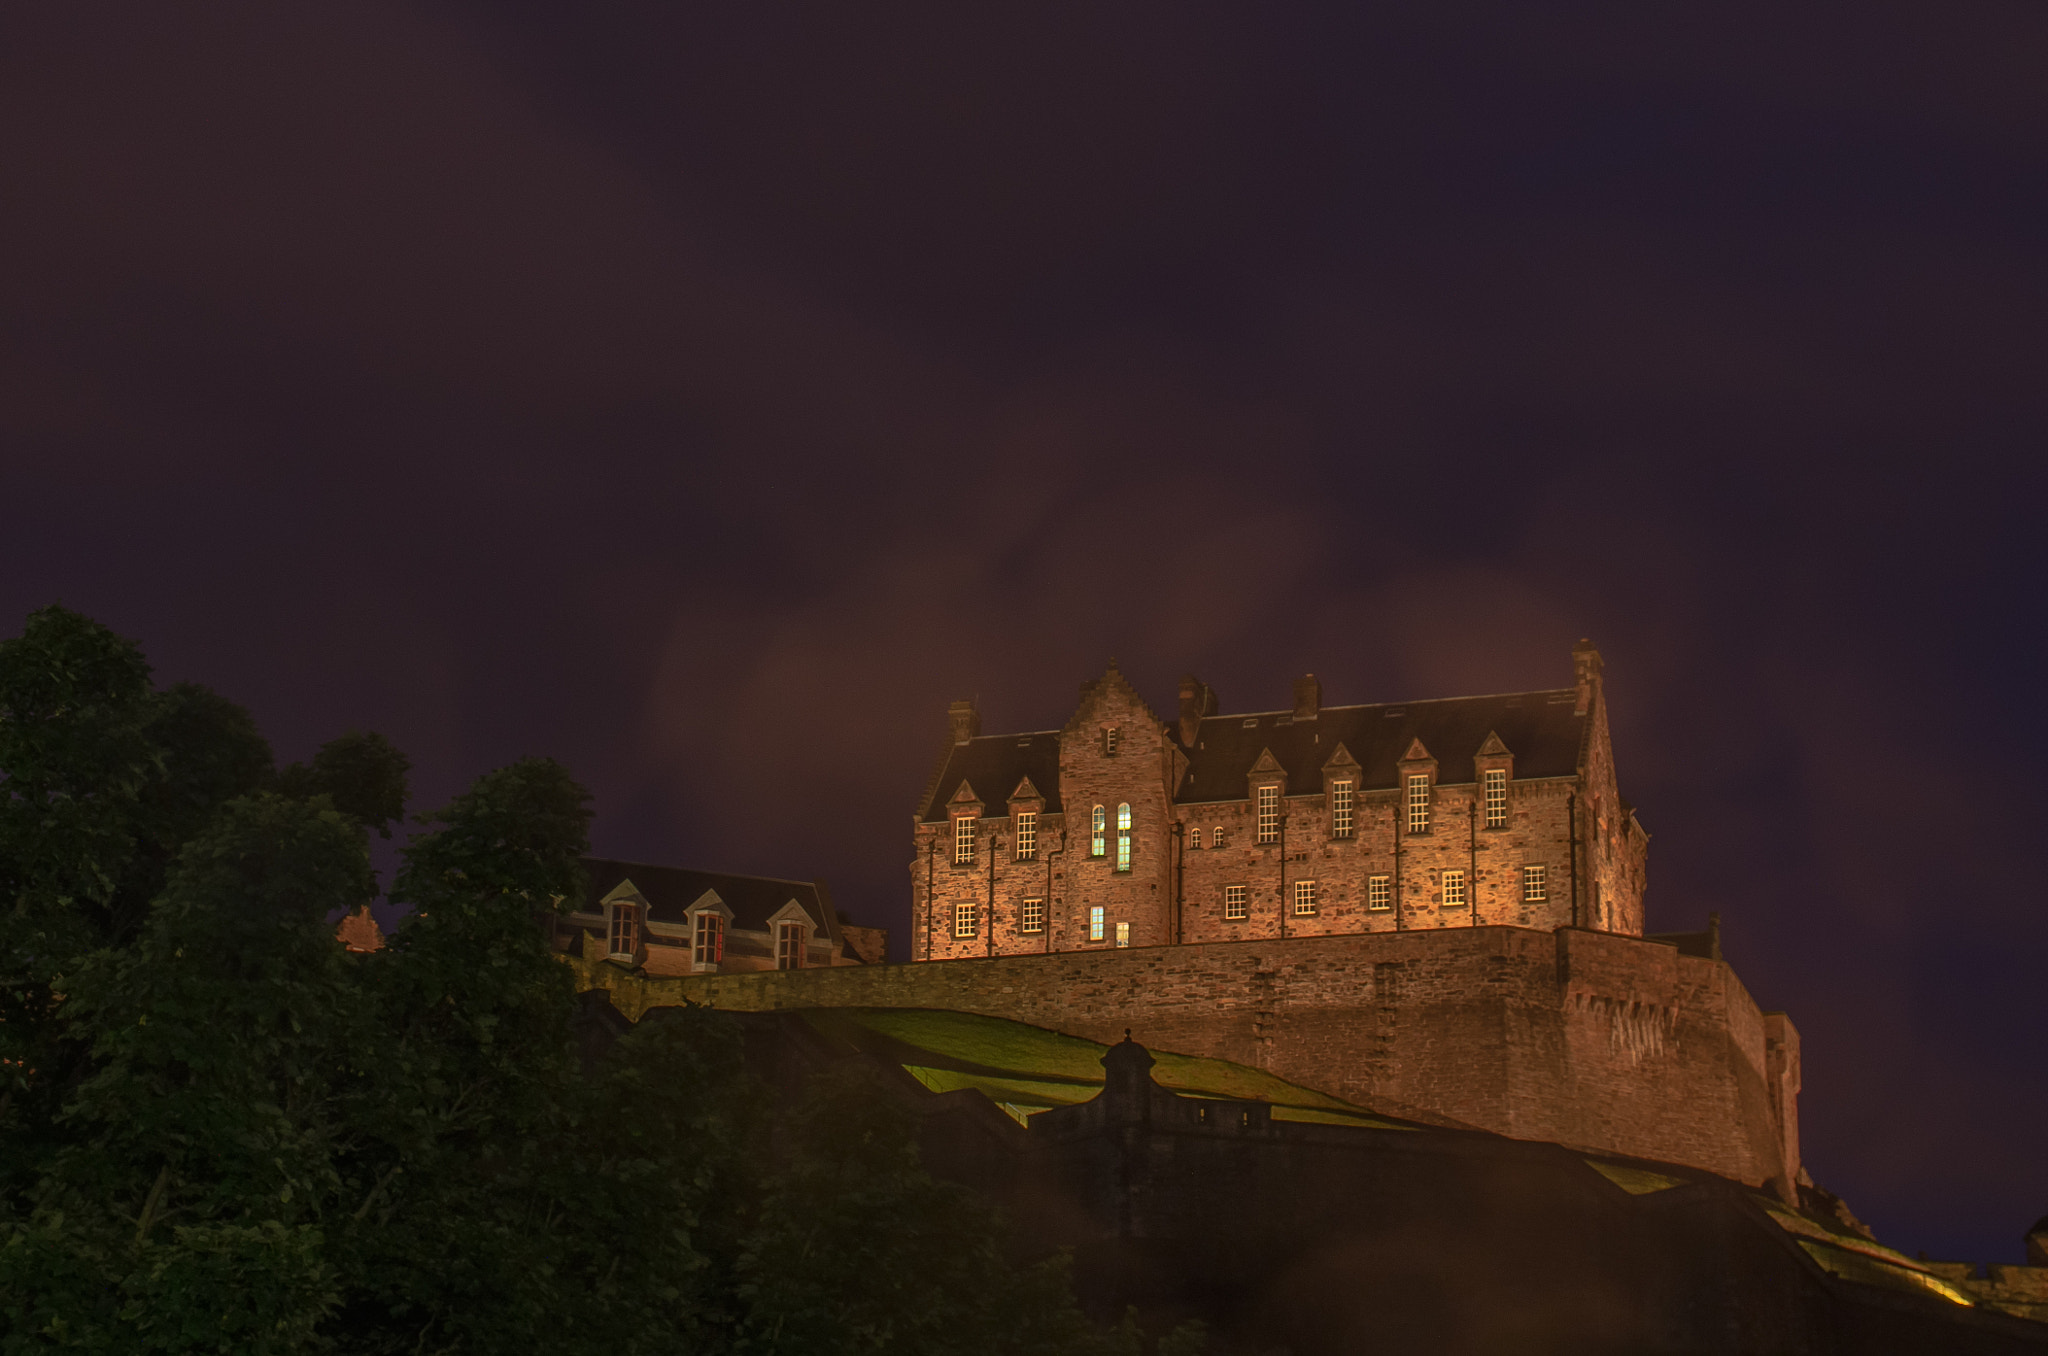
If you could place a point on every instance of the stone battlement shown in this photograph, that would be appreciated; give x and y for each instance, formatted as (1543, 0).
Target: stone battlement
(1605, 1042)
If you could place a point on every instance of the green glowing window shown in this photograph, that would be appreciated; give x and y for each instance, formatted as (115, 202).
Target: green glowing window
(1095, 833)
(1123, 837)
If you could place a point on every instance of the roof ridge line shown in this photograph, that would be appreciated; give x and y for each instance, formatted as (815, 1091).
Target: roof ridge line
(657, 866)
(1416, 701)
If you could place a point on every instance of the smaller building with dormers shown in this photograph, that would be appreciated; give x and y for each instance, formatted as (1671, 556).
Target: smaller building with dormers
(666, 920)
(1123, 830)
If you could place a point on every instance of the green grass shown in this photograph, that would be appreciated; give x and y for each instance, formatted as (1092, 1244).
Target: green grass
(1025, 1068)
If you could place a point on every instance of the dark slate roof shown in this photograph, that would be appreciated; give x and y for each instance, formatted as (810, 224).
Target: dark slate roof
(993, 765)
(671, 890)
(1539, 729)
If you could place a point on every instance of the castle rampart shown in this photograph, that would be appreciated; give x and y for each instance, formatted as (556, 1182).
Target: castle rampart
(1597, 1040)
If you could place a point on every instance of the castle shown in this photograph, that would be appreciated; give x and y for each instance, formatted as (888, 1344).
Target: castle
(1119, 830)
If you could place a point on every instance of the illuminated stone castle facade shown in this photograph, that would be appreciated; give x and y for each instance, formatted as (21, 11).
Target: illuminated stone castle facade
(1120, 830)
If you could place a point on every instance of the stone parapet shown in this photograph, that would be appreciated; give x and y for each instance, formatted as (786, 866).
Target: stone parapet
(1595, 1040)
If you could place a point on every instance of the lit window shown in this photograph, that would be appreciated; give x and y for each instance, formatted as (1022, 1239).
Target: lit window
(1096, 836)
(1123, 837)
(1535, 888)
(1496, 799)
(625, 929)
(1110, 736)
(1343, 802)
(1195, 839)
(1095, 924)
(1233, 901)
(1269, 814)
(966, 919)
(1454, 889)
(1123, 934)
(1379, 893)
(709, 946)
(963, 840)
(789, 947)
(1027, 834)
(1031, 917)
(1418, 802)
(1304, 898)
(1216, 837)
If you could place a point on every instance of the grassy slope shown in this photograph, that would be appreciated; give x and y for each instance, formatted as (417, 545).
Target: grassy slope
(1030, 1068)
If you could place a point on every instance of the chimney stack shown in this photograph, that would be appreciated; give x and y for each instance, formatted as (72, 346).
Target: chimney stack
(1197, 699)
(966, 720)
(1586, 674)
(1308, 697)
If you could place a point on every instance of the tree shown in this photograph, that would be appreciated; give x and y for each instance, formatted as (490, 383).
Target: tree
(362, 774)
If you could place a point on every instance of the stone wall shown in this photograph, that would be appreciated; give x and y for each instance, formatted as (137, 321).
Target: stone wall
(1590, 1039)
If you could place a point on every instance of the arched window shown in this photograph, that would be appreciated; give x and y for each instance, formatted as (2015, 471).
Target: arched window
(1111, 735)
(1123, 837)
(1195, 839)
(1095, 835)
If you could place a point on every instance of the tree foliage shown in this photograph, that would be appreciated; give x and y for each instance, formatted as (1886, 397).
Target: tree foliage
(225, 1133)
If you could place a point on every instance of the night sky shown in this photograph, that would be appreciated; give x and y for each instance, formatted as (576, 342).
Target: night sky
(705, 394)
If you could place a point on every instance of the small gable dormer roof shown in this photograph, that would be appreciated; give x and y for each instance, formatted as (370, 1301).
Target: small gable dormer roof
(1493, 747)
(1341, 758)
(1543, 730)
(1025, 790)
(1267, 766)
(670, 894)
(1417, 752)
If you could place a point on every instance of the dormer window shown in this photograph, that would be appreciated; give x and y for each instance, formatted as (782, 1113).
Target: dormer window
(1123, 837)
(1418, 802)
(1343, 808)
(1027, 835)
(625, 930)
(1495, 785)
(789, 946)
(1097, 833)
(1269, 814)
(708, 947)
(1110, 735)
(963, 840)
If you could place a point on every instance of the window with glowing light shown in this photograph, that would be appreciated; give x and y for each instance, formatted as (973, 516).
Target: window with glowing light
(1454, 889)
(1304, 898)
(1269, 814)
(1027, 835)
(1535, 885)
(1031, 916)
(1418, 802)
(963, 840)
(966, 919)
(1234, 901)
(1123, 837)
(1097, 826)
(1095, 924)
(1123, 934)
(1496, 783)
(1379, 893)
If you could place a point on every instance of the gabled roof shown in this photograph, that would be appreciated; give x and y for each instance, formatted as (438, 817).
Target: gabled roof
(1540, 727)
(671, 890)
(992, 765)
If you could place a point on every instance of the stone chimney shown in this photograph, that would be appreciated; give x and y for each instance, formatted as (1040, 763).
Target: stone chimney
(2037, 1243)
(966, 720)
(1197, 699)
(1308, 697)
(1586, 674)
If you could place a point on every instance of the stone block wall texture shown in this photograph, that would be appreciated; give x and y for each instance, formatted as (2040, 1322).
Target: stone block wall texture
(1589, 1039)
